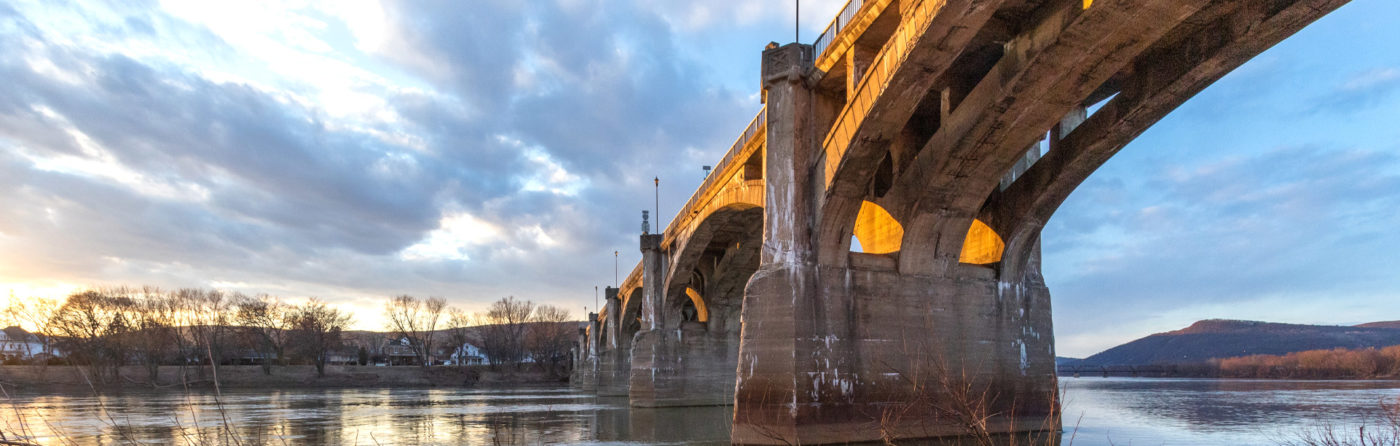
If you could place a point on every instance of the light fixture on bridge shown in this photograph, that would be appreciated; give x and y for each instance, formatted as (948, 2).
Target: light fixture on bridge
(646, 226)
(707, 170)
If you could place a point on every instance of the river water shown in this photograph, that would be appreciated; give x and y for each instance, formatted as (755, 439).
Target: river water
(1099, 411)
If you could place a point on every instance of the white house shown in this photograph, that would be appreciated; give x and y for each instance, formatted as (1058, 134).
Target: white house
(18, 344)
(466, 354)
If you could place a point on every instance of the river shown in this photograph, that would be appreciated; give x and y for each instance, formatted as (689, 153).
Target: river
(1099, 411)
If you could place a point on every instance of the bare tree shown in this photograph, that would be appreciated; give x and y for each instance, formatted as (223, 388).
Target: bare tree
(549, 339)
(265, 324)
(209, 318)
(89, 325)
(153, 316)
(318, 331)
(35, 314)
(503, 331)
(416, 320)
(184, 303)
(459, 332)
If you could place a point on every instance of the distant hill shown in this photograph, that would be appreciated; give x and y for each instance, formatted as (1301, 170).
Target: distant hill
(1218, 338)
(1061, 361)
(1386, 324)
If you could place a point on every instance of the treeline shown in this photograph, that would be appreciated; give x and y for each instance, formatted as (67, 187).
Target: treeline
(1336, 363)
(106, 328)
(103, 329)
(509, 333)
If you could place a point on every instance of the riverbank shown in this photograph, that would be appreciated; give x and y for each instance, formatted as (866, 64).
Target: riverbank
(70, 378)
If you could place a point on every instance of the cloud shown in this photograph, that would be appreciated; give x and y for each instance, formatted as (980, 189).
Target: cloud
(354, 151)
(458, 148)
(1361, 91)
(1288, 224)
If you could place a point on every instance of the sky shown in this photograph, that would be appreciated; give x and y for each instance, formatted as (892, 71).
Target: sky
(355, 150)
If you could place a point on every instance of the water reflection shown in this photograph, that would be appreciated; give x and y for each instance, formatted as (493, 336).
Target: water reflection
(357, 416)
(1114, 411)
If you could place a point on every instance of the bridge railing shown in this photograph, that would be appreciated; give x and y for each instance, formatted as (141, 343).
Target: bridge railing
(703, 192)
(843, 18)
(877, 77)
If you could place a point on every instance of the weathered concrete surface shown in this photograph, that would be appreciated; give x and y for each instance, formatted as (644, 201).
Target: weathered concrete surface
(780, 375)
(939, 126)
(676, 359)
(585, 374)
(885, 354)
(615, 357)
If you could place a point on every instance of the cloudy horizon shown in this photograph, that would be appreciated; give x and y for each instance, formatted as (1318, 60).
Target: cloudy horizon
(356, 150)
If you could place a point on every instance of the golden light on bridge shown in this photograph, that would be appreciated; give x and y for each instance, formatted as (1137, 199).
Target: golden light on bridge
(877, 231)
(702, 314)
(982, 245)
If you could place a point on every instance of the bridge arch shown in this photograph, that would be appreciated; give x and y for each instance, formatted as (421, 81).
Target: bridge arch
(976, 177)
(711, 264)
(631, 321)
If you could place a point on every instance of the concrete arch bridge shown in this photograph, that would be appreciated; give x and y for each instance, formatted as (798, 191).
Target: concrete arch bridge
(866, 255)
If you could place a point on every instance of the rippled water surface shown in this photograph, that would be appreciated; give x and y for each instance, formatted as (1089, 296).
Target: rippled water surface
(1099, 411)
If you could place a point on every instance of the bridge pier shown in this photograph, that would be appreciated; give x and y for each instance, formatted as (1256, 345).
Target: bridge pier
(795, 380)
(585, 374)
(675, 362)
(654, 377)
(864, 351)
(615, 359)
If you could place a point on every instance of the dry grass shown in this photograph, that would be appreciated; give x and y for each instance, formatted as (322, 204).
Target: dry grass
(958, 399)
(1382, 431)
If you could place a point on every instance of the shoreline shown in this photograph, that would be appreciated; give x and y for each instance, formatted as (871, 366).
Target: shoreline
(66, 378)
(1225, 378)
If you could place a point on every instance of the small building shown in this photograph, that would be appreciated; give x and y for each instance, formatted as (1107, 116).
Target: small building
(16, 343)
(400, 352)
(467, 354)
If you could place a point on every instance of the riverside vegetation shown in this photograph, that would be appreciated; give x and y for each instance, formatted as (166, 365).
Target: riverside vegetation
(189, 336)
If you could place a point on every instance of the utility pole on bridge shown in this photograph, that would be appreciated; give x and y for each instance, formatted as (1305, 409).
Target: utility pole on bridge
(657, 207)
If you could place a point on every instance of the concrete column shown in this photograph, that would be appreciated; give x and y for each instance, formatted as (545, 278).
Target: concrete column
(858, 60)
(1022, 165)
(614, 315)
(593, 335)
(615, 358)
(653, 282)
(779, 388)
(586, 370)
(1066, 125)
(579, 358)
(655, 377)
(674, 364)
(788, 156)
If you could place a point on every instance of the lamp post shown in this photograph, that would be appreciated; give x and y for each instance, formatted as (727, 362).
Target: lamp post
(657, 181)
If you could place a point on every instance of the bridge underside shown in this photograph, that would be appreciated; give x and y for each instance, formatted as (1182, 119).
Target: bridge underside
(941, 134)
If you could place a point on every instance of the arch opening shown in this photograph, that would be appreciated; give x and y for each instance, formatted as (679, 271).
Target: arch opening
(982, 246)
(876, 231)
(696, 304)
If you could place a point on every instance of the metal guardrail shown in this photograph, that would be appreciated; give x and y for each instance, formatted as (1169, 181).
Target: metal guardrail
(848, 12)
(837, 24)
(875, 80)
(682, 217)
